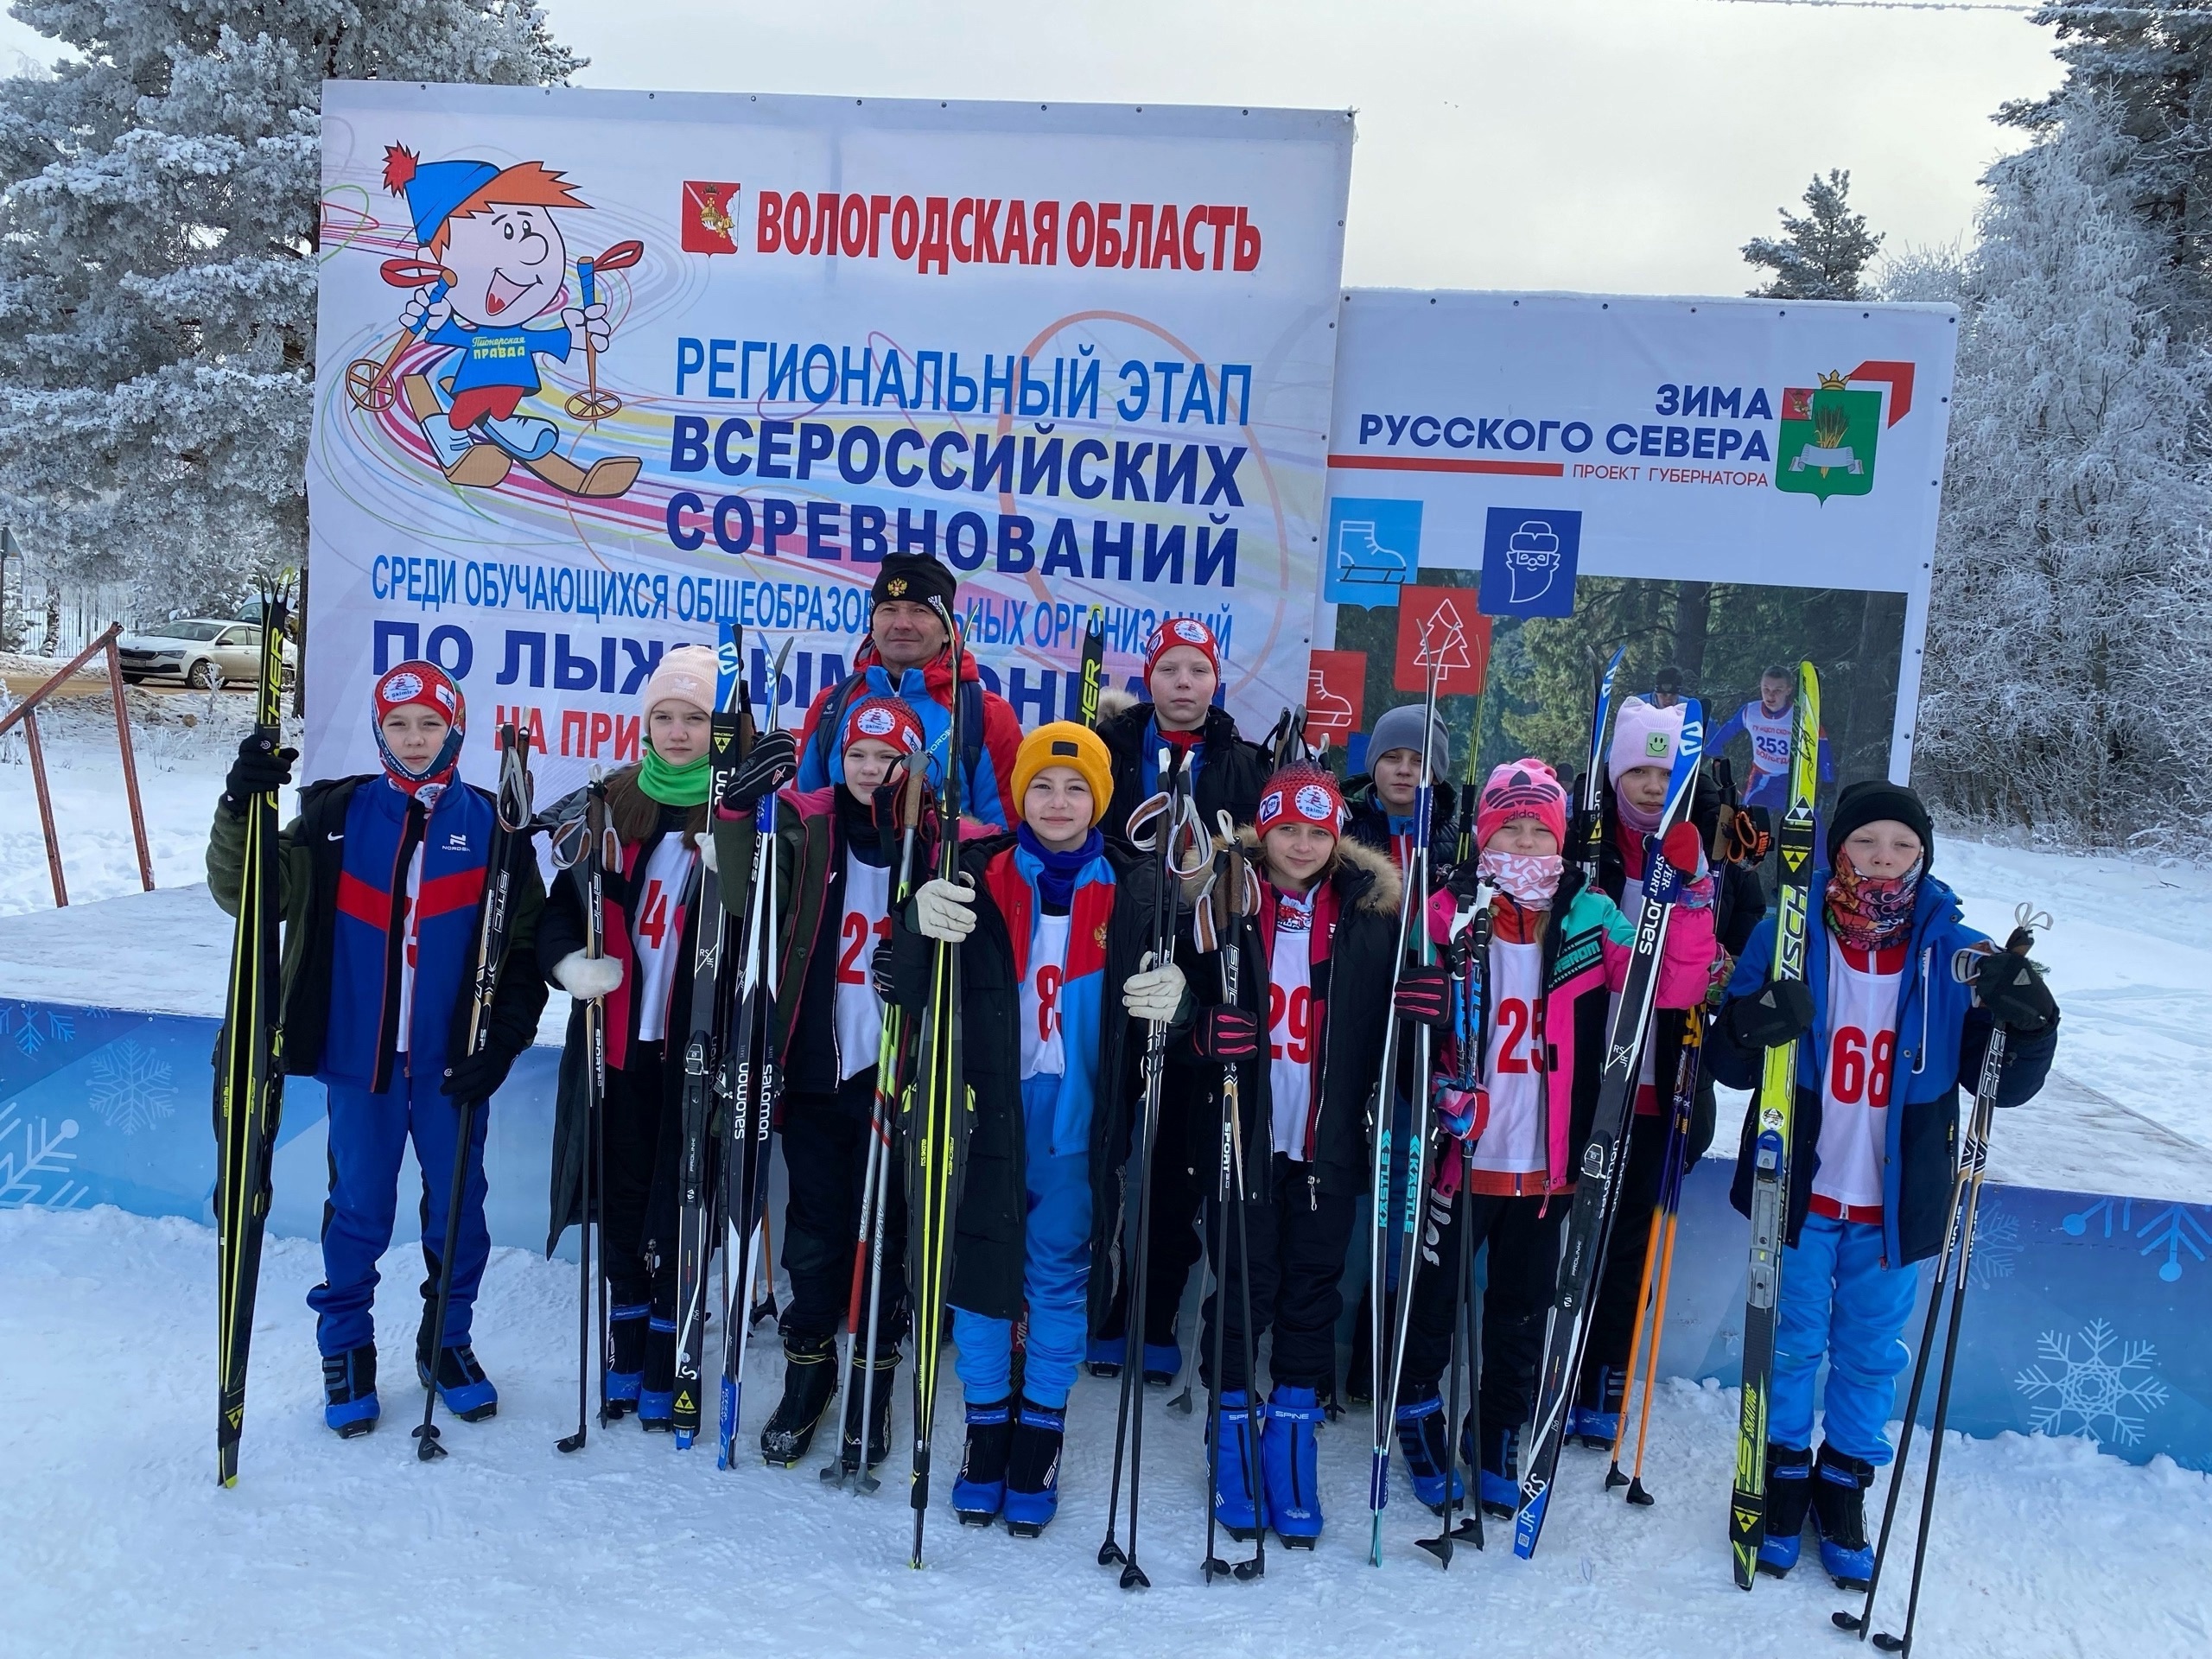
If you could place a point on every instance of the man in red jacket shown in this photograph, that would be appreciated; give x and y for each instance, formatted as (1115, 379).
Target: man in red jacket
(908, 656)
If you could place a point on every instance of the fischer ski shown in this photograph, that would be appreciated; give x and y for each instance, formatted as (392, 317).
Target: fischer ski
(1586, 833)
(1777, 1110)
(1094, 668)
(249, 1069)
(938, 1112)
(588, 840)
(1672, 859)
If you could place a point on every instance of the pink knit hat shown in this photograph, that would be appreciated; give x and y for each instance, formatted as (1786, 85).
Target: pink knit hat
(1521, 789)
(684, 675)
(1644, 736)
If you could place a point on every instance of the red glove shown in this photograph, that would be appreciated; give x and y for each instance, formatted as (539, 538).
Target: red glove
(1225, 1034)
(1423, 994)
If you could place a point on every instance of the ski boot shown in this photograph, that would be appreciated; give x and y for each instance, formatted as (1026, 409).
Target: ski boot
(1595, 1418)
(657, 1385)
(349, 1391)
(810, 1384)
(1426, 1438)
(626, 1368)
(886, 1367)
(1500, 1463)
(1789, 1495)
(1237, 1502)
(979, 1490)
(1163, 1362)
(461, 1384)
(1033, 1470)
(1290, 1463)
(1102, 1355)
(1840, 1517)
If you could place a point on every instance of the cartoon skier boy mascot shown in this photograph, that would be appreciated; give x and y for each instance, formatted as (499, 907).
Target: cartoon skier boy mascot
(498, 306)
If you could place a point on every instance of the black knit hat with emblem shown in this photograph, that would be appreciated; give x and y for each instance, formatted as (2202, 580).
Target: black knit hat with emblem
(918, 577)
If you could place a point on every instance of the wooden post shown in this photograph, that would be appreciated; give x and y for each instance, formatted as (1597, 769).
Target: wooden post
(130, 763)
(45, 807)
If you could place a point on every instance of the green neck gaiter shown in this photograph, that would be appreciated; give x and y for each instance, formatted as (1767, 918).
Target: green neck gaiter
(673, 785)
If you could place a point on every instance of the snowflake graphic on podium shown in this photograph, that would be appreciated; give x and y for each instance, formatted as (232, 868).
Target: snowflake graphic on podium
(30, 1026)
(1996, 1242)
(2103, 1381)
(130, 1088)
(2171, 1228)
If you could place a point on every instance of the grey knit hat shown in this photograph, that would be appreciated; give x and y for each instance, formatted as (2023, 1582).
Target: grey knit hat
(1401, 729)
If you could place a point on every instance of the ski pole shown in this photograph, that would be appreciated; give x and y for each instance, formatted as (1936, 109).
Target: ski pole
(592, 1172)
(1965, 1193)
(368, 380)
(1660, 1245)
(592, 405)
(512, 820)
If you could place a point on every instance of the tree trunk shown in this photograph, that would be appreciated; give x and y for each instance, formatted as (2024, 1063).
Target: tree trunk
(1692, 616)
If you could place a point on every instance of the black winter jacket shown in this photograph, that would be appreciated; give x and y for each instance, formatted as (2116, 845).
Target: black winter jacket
(1229, 779)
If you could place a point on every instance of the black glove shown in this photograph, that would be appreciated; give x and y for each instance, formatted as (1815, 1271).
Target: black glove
(476, 1076)
(1226, 1034)
(1423, 994)
(879, 969)
(260, 769)
(771, 763)
(2013, 992)
(1783, 1010)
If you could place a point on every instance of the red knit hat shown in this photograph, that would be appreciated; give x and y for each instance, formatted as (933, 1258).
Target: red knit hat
(1521, 789)
(1181, 631)
(1301, 794)
(423, 685)
(887, 721)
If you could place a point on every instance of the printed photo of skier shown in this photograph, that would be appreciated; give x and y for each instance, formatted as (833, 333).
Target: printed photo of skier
(494, 287)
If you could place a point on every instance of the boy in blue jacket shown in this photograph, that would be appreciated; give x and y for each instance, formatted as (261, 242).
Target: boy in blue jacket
(1894, 1015)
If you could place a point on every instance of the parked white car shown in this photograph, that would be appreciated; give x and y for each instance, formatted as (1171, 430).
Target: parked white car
(202, 651)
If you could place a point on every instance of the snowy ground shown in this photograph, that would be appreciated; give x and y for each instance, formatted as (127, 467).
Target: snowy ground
(119, 1541)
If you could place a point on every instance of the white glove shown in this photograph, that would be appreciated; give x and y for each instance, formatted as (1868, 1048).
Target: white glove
(1153, 995)
(706, 853)
(944, 910)
(586, 977)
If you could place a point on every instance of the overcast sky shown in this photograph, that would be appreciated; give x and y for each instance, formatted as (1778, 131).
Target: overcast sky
(1624, 145)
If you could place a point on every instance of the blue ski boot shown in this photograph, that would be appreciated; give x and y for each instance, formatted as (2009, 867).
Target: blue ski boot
(1840, 1517)
(625, 1368)
(979, 1490)
(1789, 1495)
(657, 1385)
(1595, 1420)
(1235, 1503)
(1290, 1461)
(1102, 1355)
(1033, 1472)
(462, 1387)
(349, 1391)
(1500, 1463)
(1426, 1438)
(1162, 1361)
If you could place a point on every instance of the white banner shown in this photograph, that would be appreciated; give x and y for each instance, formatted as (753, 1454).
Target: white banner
(599, 369)
(1534, 437)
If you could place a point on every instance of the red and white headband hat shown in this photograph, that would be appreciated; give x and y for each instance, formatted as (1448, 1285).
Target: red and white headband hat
(887, 721)
(1181, 631)
(1301, 794)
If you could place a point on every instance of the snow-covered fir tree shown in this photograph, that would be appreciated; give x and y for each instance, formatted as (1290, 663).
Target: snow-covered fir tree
(2069, 642)
(2151, 65)
(1820, 255)
(158, 211)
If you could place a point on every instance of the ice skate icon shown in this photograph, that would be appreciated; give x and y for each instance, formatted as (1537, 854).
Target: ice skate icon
(1532, 560)
(1360, 558)
(1326, 711)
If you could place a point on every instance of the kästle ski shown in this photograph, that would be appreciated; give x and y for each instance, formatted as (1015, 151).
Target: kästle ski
(1672, 859)
(1776, 1106)
(249, 1069)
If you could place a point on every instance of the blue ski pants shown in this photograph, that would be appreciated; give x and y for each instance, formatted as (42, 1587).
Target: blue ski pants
(1055, 1273)
(368, 1133)
(1840, 1302)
